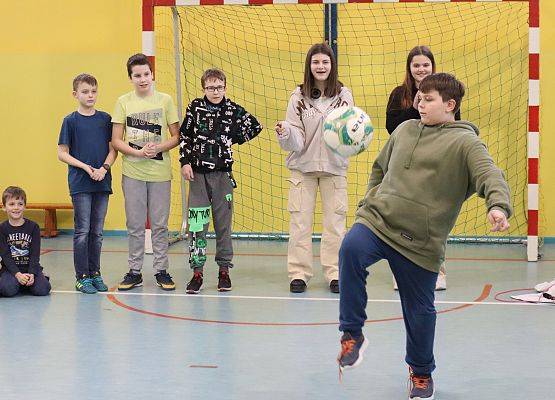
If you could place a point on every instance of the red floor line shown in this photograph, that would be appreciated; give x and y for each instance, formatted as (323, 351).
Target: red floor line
(498, 295)
(485, 293)
(315, 256)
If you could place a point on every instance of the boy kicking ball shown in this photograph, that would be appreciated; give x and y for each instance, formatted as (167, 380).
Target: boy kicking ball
(419, 181)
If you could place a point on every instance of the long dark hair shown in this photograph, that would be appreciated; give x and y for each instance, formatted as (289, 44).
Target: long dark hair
(409, 85)
(333, 85)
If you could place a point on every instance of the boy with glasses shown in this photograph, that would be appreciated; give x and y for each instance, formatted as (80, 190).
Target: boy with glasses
(212, 124)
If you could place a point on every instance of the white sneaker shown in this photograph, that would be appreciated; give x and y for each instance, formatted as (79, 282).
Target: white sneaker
(441, 283)
(545, 286)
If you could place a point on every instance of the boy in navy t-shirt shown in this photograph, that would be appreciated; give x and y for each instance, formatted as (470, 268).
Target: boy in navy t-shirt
(20, 249)
(84, 145)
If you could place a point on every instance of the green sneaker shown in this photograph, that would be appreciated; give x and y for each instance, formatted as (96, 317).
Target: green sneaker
(98, 283)
(85, 285)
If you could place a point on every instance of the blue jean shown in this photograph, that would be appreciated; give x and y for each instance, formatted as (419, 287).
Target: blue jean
(9, 286)
(89, 214)
(360, 249)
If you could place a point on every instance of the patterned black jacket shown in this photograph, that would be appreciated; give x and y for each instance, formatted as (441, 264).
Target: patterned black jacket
(209, 130)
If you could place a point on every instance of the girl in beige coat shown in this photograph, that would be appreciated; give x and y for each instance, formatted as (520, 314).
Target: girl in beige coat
(314, 167)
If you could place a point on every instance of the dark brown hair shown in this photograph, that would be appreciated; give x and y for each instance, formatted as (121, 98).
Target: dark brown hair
(137, 59)
(446, 85)
(333, 85)
(409, 85)
(14, 192)
(213, 73)
(86, 78)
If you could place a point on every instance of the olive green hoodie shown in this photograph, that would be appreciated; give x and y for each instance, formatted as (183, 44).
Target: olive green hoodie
(419, 182)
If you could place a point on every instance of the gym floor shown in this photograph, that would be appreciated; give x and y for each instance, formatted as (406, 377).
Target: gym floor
(262, 341)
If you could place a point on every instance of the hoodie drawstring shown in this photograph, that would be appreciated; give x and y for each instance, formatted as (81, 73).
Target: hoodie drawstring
(409, 159)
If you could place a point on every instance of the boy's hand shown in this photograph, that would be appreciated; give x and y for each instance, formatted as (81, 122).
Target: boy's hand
(22, 278)
(280, 130)
(89, 170)
(149, 150)
(98, 174)
(498, 220)
(187, 172)
(31, 279)
(416, 100)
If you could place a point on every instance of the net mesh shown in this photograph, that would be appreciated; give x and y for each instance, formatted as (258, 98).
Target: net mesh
(262, 49)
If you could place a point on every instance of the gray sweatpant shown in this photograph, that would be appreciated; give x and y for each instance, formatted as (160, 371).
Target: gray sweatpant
(213, 190)
(142, 197)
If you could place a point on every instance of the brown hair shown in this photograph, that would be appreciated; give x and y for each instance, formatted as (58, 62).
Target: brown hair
(137, 59)
(213, 73)
(333, 85)
(409, 85)
(14, 192)
(446, 85)
(84, 78)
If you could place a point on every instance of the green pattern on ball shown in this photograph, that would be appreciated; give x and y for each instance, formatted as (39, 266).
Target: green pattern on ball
(348, 131)
(348, 113)
(344, 137)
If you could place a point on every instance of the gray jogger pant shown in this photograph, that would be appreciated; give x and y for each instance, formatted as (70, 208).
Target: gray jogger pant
(142, 197)
(213, 190)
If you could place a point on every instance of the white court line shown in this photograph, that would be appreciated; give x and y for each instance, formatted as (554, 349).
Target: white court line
(215, 296)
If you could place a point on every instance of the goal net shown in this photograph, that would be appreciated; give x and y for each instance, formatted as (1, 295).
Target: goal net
(262, 50)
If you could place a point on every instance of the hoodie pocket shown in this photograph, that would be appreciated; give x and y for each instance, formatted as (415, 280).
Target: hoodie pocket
(404, 219)
(295, 195)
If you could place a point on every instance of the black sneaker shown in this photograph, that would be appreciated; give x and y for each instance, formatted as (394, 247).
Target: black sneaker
(224, 281)
(195, 284)
(297, 286)
(334, 286)
(130, 280)
(352, 350)
(420, 387)
(164, 280)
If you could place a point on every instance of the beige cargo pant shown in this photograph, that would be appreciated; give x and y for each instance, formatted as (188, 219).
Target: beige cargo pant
(301, 205)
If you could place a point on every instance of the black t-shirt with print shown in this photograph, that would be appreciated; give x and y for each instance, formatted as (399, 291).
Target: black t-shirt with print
(20, 247)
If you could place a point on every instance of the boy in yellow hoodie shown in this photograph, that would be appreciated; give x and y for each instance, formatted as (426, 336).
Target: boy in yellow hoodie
(419, 181)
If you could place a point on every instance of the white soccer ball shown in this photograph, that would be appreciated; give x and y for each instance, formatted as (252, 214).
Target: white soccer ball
(348, 131)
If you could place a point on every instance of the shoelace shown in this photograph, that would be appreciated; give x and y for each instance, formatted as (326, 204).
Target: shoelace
(86, 282)
(420, 382)
(346, 347)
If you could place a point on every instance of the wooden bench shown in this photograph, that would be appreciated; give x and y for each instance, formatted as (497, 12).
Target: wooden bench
(50, 221)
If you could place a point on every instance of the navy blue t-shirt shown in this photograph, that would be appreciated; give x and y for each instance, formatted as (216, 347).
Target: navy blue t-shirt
(87, 137)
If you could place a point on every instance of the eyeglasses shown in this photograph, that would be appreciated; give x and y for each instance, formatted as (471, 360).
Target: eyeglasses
(214, 88)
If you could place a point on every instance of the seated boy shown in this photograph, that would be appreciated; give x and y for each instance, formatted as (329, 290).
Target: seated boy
(211, 125)
(20, 249)
(419, 181)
